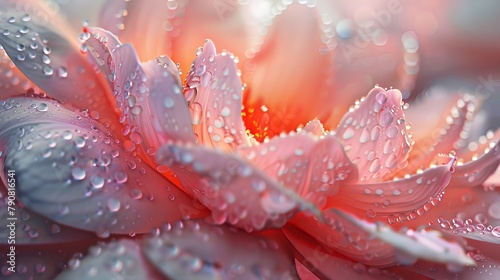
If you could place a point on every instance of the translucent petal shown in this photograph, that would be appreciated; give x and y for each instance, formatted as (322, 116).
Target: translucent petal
(375, 136)
(213, 90)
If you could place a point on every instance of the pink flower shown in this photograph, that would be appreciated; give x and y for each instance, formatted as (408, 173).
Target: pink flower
(96, 142)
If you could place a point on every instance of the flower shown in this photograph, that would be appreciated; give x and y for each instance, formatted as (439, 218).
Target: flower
(96, 142)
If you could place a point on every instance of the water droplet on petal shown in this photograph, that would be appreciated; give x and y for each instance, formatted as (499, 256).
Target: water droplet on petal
(168, 102)
(370, 213)
(391, 131)
(384, 118)
(42, 107)
(136, 194)
(97, 181)
(496, 231)
(113, 204)
(374, 165)
(349, 133)
(225, 111)
(121, 177)
(78, 173)
(375, 133)
(62, 72)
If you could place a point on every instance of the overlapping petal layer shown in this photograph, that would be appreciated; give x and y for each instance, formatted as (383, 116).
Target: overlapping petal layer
(213, 90)
(93, 184)
(400, 199)
(354, 238)
(188, 250)
(233, 189)
(313, 168)
(54, 62)
(148, 95)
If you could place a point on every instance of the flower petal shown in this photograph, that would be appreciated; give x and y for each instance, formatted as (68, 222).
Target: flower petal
(312, 168)
(486, 269)
(375, 136)
(98, 44)
(54, 64)
(161, 92)
(31, 228)
(347, 239)
(148, 95)
(198, 250)
(399, 199)
(149, 27)
(213, 90)
(315, 127)
(12, 81)
(232, 188)
(477, 171)
(451, 137)
(429, 244)
(282, 89)
(39, 261)
(473, 213)
(94, 184)
(121, 259)
(437, 103)
(326, 264)
(354, 238)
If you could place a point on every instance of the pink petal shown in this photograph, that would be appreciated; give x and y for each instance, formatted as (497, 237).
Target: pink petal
(473, 213)
(33, 229)
(399, 199)
(312, 168)
(425, 244)
(437, 104)
(122, 259)
(198, 250)
(149, 27)
(347, 239)
(12, 81)
(303, 272)
(148, 95)
(354, 238)
(39, 261)
(294, 37)
(55, 64)
(315, 260)
(451, 136)
(94, 184)
(162, 92)
(315, 127)
(486, 269)
(477, 171)
(213, 90)
(98, 45)
(232, 188)
(375, 135)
